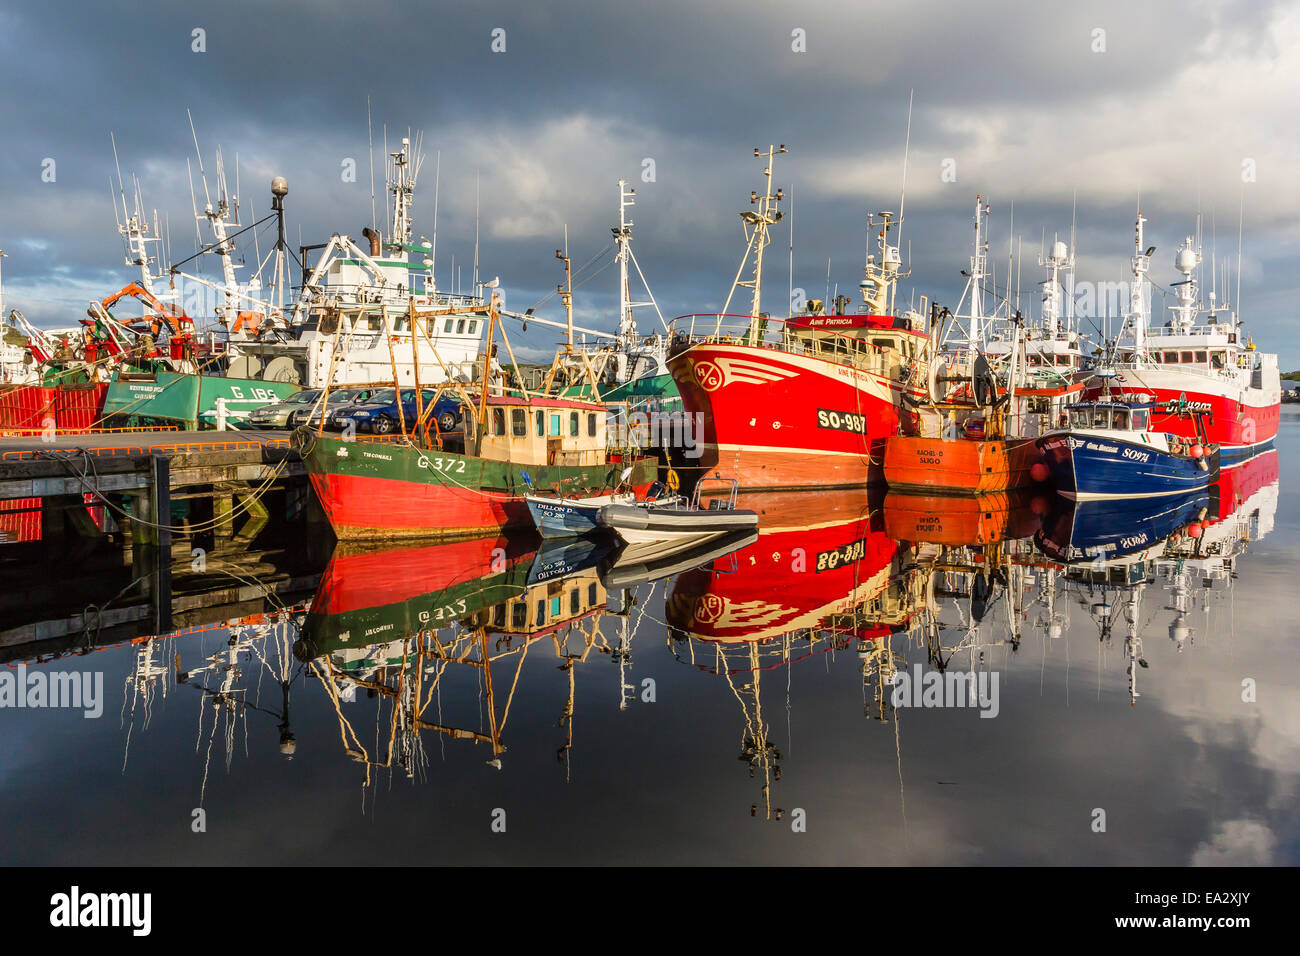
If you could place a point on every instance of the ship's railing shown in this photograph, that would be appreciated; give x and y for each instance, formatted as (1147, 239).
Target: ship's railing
(830, 344)
(1224, 330)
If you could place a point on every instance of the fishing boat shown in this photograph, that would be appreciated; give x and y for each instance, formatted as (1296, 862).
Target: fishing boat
(1108, 452)
(998, 382)
(1209, 366)
(557, 517)
(513, 445)
(808, 400)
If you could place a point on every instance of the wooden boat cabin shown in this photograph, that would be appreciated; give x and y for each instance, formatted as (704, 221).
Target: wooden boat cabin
(540, 431)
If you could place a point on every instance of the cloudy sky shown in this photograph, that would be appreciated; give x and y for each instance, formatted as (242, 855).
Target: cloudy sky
(1185, 107)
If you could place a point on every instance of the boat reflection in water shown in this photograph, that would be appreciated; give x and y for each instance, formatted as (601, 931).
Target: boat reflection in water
(815, 581)
(394, 639)
(393, 623)
(1113, 552)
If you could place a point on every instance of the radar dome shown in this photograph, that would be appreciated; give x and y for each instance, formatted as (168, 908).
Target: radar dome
(1186, 260)
(279, 186)
(1060, 251)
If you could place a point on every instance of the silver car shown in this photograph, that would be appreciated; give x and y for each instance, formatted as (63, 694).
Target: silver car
(312, 414)
(277, 414)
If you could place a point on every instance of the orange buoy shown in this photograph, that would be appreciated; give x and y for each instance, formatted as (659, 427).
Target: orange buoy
(1194, 529)
(1198, 451)
(1039, 472)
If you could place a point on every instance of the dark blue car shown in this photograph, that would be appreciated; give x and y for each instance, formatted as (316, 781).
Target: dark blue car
(379, 413)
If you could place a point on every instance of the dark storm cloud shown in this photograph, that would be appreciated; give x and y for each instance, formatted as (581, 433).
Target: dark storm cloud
(585, 92)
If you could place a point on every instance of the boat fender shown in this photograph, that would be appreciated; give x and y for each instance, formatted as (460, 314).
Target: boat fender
(1201, 464)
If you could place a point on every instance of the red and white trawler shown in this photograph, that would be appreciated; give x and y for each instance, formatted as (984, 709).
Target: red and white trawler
(807, 400)
(1212, 367)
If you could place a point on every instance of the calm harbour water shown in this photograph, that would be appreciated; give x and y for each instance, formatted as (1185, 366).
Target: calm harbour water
(732, 715)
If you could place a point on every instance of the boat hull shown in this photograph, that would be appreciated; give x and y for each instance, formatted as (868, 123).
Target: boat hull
(189, 400)
(1242, 421)
(958, 466)
(1088, 467)
(778, 420)
(566, 517)
(641, 525)
(387, 490)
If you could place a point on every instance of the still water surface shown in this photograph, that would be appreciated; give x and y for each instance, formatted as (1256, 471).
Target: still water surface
(478, 702)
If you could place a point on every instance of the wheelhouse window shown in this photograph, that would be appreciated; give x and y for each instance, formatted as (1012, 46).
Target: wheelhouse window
(460, 326)
(518, 422)
(591, 424)
(1188, 357)
(473, 326)
(498, 421)
(1118, 418)
(1218, 360)
(541, 424)
(451, 324)
(1201, 358)
(573, 424)
(1140, 419)
(1171, 358)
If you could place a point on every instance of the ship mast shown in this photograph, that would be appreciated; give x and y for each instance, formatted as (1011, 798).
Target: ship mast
(1139, 311)
(757, 222)
(1060, 258)
(978, 270)
(1186, 261)
(401, 177)
(881, 278)
(623, 238)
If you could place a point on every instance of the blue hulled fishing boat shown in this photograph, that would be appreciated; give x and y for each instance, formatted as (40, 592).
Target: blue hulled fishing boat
(1107, 452)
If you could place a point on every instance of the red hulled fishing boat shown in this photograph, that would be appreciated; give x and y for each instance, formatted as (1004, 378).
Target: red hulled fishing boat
(810, 399)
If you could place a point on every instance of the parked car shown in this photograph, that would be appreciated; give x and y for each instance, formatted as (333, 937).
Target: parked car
(379, 413)
(276, 414)
(338, 397)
